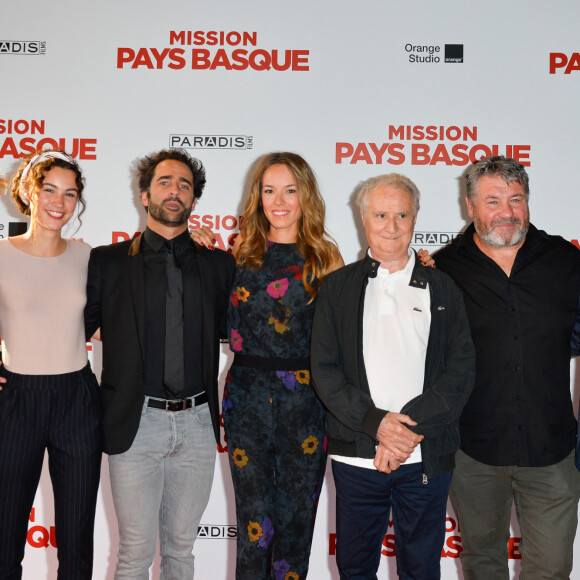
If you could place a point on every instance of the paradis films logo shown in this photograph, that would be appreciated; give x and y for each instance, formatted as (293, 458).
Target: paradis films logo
(437, 239)
(185, 141)
(23, 47)
(217, 532)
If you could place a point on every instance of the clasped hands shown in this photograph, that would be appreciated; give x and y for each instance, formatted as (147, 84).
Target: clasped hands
(396, 442)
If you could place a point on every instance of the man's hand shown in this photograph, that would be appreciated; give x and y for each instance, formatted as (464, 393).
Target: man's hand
(385, 460)
(396, 438)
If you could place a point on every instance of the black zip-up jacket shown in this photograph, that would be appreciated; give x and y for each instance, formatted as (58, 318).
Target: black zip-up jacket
(339, 374)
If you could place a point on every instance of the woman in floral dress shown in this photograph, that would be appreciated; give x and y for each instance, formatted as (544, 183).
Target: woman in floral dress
(273, 420)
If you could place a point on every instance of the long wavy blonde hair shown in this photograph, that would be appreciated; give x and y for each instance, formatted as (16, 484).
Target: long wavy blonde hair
(318, 248)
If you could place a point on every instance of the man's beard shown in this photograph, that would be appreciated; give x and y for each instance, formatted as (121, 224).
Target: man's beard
(491, 238)
(170, 219)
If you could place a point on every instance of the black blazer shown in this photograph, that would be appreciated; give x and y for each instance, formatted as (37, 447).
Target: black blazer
(115, 304)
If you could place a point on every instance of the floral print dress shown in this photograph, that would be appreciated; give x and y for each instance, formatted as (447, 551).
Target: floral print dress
(273, 420)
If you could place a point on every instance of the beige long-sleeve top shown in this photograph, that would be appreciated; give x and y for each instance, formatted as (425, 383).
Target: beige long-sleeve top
(41, 310)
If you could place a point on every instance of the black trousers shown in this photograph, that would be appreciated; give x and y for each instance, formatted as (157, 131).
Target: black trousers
(364, 500)
(61, 414)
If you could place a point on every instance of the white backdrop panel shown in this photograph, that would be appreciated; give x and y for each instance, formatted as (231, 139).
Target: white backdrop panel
(111, 82)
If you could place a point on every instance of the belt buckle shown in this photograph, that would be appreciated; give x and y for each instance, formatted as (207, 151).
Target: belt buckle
(174, 405)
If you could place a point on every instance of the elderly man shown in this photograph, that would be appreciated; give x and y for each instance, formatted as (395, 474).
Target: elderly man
(393, 362)
(518, 431)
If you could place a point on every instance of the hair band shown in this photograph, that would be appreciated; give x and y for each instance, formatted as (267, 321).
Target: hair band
(45, 156)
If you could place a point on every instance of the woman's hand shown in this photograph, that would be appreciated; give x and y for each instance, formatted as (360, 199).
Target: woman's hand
(2, 379)
(426, 258)
(204, 237)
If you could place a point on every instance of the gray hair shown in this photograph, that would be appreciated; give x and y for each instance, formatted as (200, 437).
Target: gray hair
(505, 167)
(394, 180)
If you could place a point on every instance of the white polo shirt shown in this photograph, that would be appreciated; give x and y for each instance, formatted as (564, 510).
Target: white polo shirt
(396, 323)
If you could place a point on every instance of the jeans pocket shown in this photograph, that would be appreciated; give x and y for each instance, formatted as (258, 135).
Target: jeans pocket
(203, 414)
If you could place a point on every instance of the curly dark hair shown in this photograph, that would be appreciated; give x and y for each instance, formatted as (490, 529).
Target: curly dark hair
(147, 165)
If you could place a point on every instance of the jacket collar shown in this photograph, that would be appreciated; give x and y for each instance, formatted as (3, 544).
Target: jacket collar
(370, 265)
(419, 276)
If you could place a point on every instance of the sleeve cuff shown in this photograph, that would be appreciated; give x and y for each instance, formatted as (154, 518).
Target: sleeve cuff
(372, 420)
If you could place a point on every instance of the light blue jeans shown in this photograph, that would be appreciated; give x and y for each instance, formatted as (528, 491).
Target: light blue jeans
(163, 482)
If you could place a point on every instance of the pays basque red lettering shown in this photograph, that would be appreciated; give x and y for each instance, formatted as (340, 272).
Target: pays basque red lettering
(425, 154)
(451, 525)
(222, 448)
(215, 223)
(228, 222)
(514, 549)
(151, 58)
(79, 148)
(559, 60)
(259, 59)
(124, 236)
(39, 536)
(203, 59)
(370, 153)
(452, 547)
(389, 549)
(332, 544)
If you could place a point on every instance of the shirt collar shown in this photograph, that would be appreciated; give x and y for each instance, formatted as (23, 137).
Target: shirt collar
(156, 242)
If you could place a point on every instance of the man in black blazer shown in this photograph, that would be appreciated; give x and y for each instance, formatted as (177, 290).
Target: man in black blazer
(160, 302)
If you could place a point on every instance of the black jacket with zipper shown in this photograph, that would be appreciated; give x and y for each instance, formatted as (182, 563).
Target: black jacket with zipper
(339, 374)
